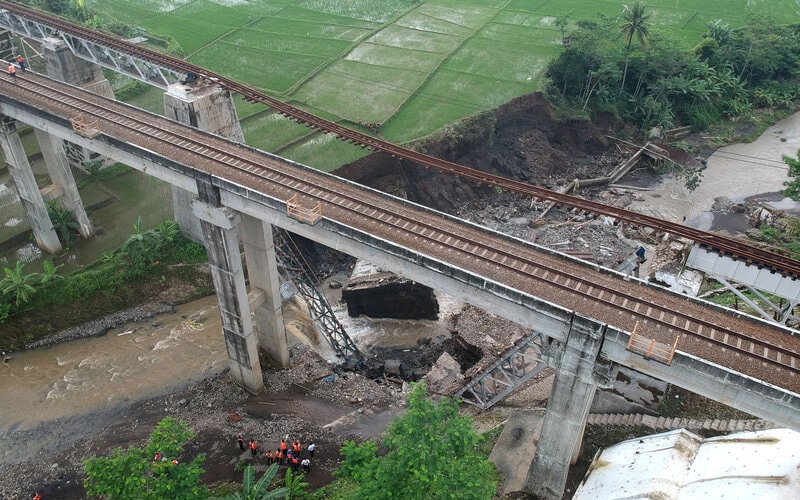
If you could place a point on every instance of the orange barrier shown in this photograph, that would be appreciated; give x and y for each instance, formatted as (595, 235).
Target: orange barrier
(88, 130)
(305, 215)
(651, 349)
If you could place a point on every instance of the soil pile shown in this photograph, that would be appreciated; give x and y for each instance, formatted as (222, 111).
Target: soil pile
(521, 140)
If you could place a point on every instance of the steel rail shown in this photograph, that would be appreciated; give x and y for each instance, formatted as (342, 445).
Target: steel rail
(497, 252)
(731, 247)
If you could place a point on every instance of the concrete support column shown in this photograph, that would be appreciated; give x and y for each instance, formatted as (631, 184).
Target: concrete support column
(61, 175)
(573, 389)
(220, 231)
(62, 65)
(265, 294)
(206, 108)
(27, 189)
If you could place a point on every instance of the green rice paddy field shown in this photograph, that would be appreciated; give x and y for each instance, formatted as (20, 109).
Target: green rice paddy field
(411, 66)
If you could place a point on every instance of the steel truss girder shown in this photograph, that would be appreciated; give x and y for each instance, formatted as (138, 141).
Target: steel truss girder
(784, 313)
(321, 313)
(90, 50)
(516, 366)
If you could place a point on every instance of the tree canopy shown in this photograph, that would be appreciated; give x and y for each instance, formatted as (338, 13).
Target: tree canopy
(792, 189)
(665, 83)
(431, 453)
(136, 474)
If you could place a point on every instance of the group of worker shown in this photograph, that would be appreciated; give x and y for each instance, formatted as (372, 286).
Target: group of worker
(291, 455)
(159, 457)
(12, 67)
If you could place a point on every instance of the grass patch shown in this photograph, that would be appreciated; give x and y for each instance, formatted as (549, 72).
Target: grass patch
(377, 11)
(466, 14)
(302, 12)
(288, 43)
(269, 131)
(324, 152)
(485, 91)
(395, 57)
(424, 41)
(151, 100)
(198, 23)
(745, 129)
(271, 26)
(270, 70)
(422, 114)
(418, 20)
(357, 91)
(513, 63)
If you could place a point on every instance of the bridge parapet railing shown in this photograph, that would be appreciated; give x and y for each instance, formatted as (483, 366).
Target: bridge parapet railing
(89, 130)
(304, 214)
(650, 349)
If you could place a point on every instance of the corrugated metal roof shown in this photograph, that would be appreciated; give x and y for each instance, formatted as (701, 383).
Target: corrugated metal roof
(683, 466)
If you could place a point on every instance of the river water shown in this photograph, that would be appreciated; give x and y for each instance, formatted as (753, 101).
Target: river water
(158, 355)
(130, 363)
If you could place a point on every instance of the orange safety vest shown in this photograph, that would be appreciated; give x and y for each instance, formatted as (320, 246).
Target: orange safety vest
(279, 455)
(283, 445)
(296, 446)
(12, 69)
(253, 445)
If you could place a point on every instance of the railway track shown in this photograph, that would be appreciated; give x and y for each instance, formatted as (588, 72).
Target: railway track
(749, 346)
(731, 247)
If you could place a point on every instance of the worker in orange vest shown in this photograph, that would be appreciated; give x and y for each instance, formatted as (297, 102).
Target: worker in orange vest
(268, 456)
(37, 496)
(12, 72)
(21, 62)
(278, 456)
(296, 448)
(253, 447)
(284, 447)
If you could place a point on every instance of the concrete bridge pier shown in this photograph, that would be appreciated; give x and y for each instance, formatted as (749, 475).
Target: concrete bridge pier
(221, 238)
(64, 187)
(62, 65)
(573, 389)
(204, 107)
(265, 294)
(27, 189)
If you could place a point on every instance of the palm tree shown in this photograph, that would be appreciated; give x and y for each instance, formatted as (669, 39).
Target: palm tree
(141, 245)
(252, 490)
(635, 26)
(18, 284)
(63, 221)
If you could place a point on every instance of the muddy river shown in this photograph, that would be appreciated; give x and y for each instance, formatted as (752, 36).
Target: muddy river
(132, 362)
(155, 356)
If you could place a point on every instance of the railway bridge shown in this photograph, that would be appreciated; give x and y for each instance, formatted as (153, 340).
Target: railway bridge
(584, 313)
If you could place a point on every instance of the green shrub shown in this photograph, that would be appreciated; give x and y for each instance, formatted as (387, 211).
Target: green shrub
(131, 90)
